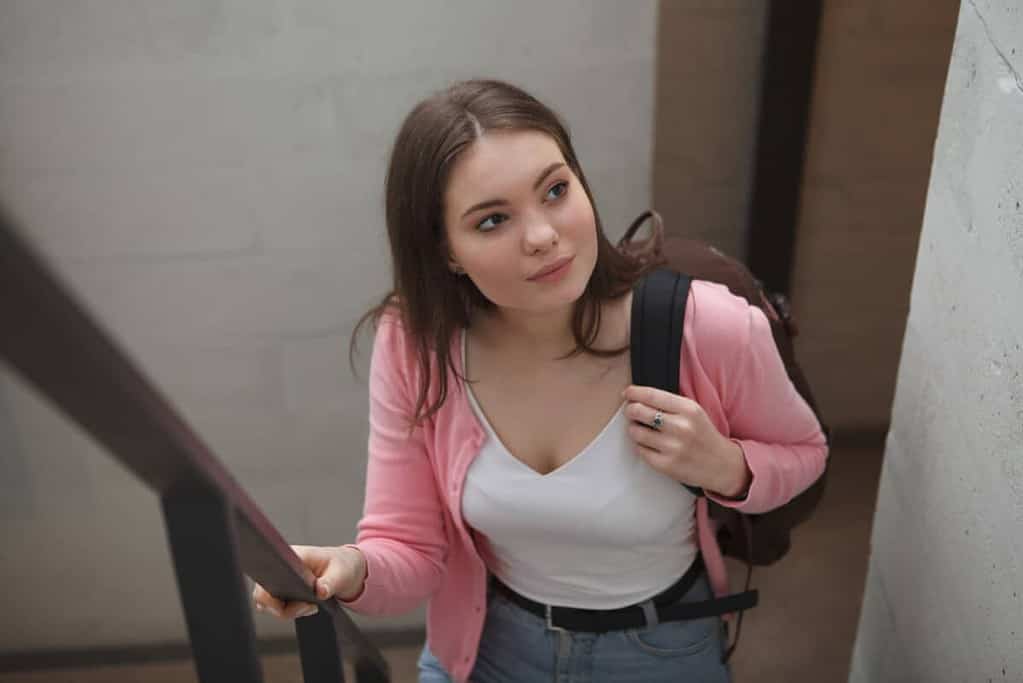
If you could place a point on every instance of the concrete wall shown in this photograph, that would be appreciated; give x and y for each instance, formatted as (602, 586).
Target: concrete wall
(208, 177)
(944, 597)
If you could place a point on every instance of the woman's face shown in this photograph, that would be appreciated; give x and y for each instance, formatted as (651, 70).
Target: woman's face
(513, 208)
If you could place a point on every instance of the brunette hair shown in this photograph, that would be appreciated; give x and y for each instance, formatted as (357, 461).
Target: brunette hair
(433, 303)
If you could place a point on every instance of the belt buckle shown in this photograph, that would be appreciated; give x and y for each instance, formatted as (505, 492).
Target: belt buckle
(550, 623)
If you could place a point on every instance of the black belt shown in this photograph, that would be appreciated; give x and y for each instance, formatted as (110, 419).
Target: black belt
(662, 607)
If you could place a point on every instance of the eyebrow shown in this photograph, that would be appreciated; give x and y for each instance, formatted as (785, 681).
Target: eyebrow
(498, 202)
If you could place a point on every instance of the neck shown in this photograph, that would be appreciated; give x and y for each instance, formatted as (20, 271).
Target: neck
(545, 335)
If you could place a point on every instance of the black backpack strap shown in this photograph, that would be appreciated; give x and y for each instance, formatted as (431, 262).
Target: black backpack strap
(658, 313)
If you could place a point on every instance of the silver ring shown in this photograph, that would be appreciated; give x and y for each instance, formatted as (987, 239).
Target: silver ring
(658, 420)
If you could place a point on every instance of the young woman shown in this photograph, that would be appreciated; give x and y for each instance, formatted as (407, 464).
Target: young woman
(516, 479)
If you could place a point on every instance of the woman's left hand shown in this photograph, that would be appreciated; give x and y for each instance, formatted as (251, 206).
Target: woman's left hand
(687, 447)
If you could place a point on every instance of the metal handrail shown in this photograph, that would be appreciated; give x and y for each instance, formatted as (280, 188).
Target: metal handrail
(56, 345)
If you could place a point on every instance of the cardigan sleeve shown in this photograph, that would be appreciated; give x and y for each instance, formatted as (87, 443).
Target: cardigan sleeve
(402, 531)
(781, 439)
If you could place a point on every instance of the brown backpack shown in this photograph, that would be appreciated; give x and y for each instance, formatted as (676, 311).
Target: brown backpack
(758, 539)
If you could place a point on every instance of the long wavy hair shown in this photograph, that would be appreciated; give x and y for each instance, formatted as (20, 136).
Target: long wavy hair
(433, 303)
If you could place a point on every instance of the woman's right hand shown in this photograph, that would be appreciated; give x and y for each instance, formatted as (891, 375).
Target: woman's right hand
(340, 572)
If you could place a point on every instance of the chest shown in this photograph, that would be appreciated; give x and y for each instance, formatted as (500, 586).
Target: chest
(546, 415)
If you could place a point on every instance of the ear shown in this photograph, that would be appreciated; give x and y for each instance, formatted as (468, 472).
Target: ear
(453, 264)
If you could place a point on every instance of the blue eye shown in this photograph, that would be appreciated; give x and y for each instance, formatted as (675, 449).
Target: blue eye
(564, 188)
(496, 219)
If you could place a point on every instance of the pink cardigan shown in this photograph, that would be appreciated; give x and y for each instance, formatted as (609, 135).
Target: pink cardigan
(416, 542)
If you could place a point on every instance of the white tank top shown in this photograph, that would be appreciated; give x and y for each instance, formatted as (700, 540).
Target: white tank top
(602, 531)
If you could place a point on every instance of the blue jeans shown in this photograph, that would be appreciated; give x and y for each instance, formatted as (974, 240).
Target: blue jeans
(517, 647)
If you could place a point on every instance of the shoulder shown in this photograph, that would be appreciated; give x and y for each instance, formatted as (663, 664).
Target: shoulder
(393, 345)
(722, 331)
(718, 322)
(390, 328)
(400, 362)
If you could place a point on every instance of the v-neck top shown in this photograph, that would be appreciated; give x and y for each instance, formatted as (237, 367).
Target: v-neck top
(413, 534)
(602, 531)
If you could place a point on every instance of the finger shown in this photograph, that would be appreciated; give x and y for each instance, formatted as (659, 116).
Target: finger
(264, 600)
(650, 438)
(296, 609)
(644, 414)
(308, 553)
(658, 399)
(313, 558)
(332, 580)
(654, 458)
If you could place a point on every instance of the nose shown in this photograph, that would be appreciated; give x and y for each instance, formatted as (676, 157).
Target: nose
(540, 235)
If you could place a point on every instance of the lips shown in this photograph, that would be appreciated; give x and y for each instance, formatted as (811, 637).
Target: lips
(550, 268)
